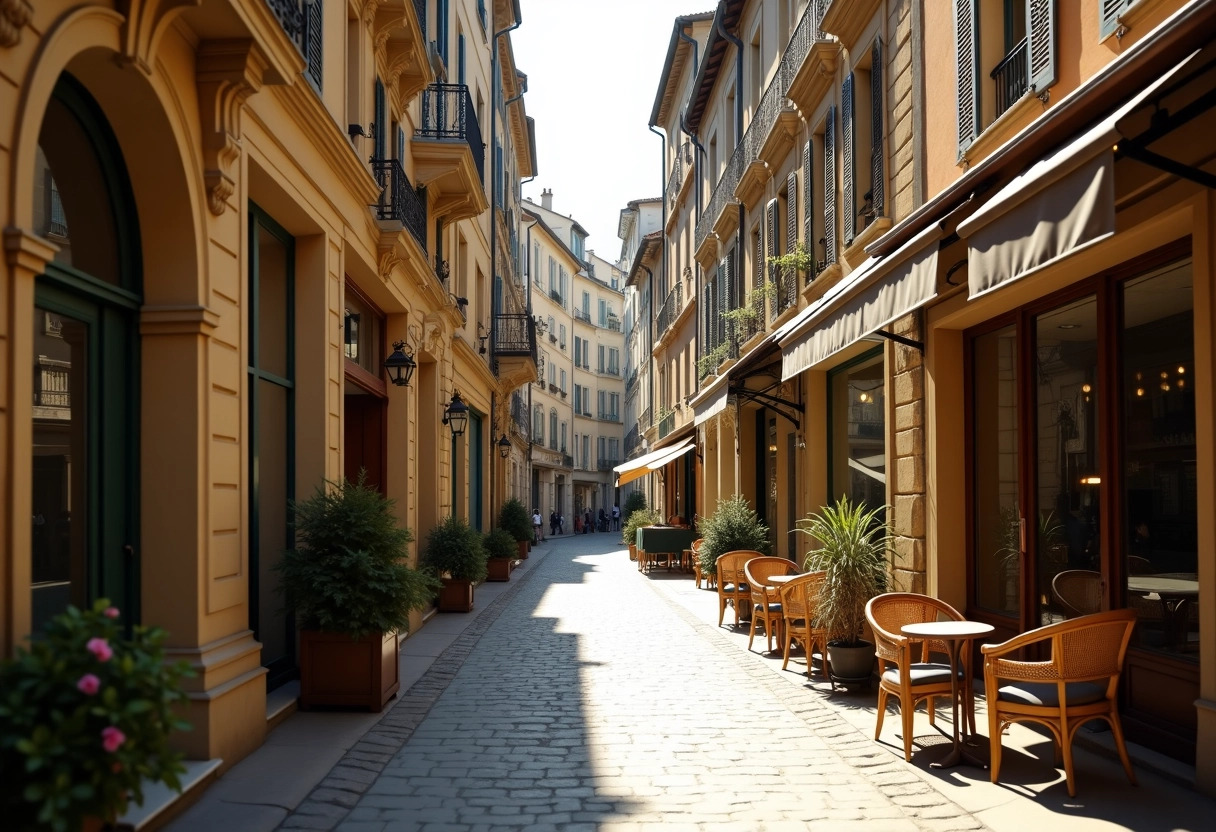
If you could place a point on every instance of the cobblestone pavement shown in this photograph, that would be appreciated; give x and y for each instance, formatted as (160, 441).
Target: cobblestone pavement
(586, 701)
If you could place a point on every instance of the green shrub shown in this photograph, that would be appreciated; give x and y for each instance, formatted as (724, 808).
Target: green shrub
(733, 526)
(499, 543)
(454, 549)
(637, 519)
(85, 720)
(348, 572)
(635, 501)
(513, 518)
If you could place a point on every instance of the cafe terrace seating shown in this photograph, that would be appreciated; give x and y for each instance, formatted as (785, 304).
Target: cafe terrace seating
(732, 582)
(1078, 591)
(799, 598)
(694, 553)
(905, 669)
(1079, 681)
(765, 602)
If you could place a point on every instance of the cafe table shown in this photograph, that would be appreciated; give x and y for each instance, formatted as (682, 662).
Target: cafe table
(656, 540)
(955, 634)
(1175, 594)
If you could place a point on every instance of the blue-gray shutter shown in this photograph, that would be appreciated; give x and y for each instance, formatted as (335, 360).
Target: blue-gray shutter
(808, 202)
(378, 131)
(829, 187)
(877, 171)
(313, 31)
(966, 38)
(770, 233)
(1041, 43)
(848, 160)
(1108, 16)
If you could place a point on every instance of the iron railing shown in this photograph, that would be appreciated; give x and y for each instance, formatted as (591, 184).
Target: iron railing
(582, 315)
(669, 311)
(515, 334)
(302, 21)
(644, 421)
(557, 298)
(772, 102)
(609, 416)
(667, 424)
(614, 323)
(420, 11)
(631, 382)
(520, 422)
(399, 200)
(606, 464)
(448, 114)
(1011, 77)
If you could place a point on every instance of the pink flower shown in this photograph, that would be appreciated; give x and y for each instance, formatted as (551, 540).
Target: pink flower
(100, 648)
(112, 738)
(111, 612)
(88, 684)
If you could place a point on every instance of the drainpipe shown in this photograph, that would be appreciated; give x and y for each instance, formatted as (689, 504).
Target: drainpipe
(650, 337)
(738, 44)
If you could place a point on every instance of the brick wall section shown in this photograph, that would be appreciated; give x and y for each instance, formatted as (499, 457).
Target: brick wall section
(908, 458)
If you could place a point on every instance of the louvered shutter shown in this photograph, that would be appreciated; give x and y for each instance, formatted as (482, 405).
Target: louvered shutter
(1041, 43)
(401, 146)
(829, 187)
(313, 31)
(724, 304)
(1108, 16)
(877, 172)
(771, 226)
(808, 201)
(966, 37)
(848, 161)
(789, 280)
(378, 131)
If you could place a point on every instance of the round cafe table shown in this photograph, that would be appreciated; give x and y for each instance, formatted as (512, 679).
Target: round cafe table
(955, 634)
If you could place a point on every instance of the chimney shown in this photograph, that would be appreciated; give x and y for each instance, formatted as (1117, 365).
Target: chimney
(546, 199)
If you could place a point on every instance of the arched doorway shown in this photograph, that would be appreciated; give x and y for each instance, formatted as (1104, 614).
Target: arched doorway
(85, 484)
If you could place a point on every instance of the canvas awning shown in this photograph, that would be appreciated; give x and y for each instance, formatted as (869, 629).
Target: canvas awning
(639, 467)
(1057, 207)
(713, 405)
(876, 293)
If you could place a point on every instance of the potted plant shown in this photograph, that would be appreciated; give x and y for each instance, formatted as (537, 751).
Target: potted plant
(352, 590)
(501, 551)
(455, 554)
(732, 526)
(636, 519)
(85, 719)
(854, 549)
(514, 519)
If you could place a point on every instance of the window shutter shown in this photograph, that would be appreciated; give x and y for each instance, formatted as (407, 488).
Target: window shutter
(401, 146)
(313, 37)
(770, 230)
(789, 280)
(848, 161)
(1041, 43)
(1108, 16)
(808, 200)
(378, 131)
(877, 182)
(829, 187)
(966, 37)
(726, 293)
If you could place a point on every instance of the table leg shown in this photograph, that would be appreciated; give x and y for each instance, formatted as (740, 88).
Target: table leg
(957, 755)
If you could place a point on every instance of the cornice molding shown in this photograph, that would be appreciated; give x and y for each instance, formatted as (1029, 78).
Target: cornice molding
(228, 72)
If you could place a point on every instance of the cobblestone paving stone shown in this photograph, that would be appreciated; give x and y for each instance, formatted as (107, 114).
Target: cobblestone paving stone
(583, 700)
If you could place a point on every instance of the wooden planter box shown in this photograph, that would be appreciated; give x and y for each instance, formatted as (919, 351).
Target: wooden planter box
(351, 673)
(456, 596)
(499, 569)
(633, 551)
(523, 549)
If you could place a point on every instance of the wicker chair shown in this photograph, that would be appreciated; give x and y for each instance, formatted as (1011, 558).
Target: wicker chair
(1079, 682)
(695, 550)
(766, 604)
(799, 598)
(905, 670)
(1078, 591)
(732, 583)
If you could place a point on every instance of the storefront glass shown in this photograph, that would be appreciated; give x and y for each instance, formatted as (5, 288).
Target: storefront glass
(858, 459)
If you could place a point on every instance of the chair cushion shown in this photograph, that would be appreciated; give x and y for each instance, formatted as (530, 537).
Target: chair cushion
(929, 673)
(733, 588)
(1047, 694)
(773, 608)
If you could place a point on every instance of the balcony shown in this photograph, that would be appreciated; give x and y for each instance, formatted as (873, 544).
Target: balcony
(667, 424)
(582, 315)
(515, 349)
(609, 416)
(631, 382)
(811, 78)
(669, 311)
(302, 22)
(399, 200)
(613, 323)
(401, 26)
(644, 420)
(633, 441)
(449, 154)
(557, 298)
(1011, 77)
(606, 464)
(567, 460)
(521, 425)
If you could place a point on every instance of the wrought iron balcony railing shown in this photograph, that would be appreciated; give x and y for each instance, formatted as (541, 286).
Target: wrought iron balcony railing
(644, 421)
(302, 21)
(669, 311)
(633, 441)
(515, 334)
(614, 323)
(557, 298)
(667, 424)
(448, 113)
(399, 200)
(609, 416)
(606, 464)
(631, 382)
(1011, 77)
(519, 417)
(582, 315)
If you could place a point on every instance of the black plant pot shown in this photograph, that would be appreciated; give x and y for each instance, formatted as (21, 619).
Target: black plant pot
(851, 664)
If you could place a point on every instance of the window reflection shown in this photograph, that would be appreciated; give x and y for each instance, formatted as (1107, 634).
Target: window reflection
(858, 433)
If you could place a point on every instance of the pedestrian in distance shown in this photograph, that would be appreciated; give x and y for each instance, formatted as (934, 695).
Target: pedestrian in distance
(616, 518)
(537, 526)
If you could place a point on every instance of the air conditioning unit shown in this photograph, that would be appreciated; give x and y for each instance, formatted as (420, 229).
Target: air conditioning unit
(437, 64)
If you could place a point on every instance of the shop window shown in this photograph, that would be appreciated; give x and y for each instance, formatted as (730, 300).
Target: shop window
(857, 467)
(363, 328)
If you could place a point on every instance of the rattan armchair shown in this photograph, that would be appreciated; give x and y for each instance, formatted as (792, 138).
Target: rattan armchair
(1077, 683)
(799, 598)
(905, 669)
(765, 602)
(732, 582)
(1078, 591)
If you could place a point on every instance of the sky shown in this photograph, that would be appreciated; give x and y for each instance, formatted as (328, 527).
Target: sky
(593, 71)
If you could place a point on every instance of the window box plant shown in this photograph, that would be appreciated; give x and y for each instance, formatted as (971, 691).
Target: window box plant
(85, 720)
(455, 554)
(514, 519)
(349, 583)
(501, 551)
(854, 547)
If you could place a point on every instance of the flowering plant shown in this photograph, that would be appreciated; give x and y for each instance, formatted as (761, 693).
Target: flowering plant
(85, 719)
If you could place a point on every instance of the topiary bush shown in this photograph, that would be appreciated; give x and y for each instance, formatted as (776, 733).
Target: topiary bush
(638, 518)
(499, 543)
(454, 549)
(514, 519)
(734, 525)
(635, 501)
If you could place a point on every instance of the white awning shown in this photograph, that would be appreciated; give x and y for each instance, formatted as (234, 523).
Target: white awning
(873, 295)
(653, 461)
(712, 406)
(1057, 207)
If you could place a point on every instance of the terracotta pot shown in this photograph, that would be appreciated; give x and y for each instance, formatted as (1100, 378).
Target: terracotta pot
(523, 549)
(353, 673)
(633, 551)
(456, 596)
(499, 569)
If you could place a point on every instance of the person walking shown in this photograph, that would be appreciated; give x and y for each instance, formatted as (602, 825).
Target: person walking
(616, 518)
(587, 521)
(537, 526)
(553, 522)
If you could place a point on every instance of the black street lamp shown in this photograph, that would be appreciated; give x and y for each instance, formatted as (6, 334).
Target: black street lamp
(456, 415)
(400, 365)
(504, 447)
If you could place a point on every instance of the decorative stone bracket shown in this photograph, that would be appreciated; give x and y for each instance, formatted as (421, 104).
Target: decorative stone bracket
(229, 71)
(14, 14)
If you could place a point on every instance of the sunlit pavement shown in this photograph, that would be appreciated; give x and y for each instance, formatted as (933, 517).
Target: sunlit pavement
(584, 695)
